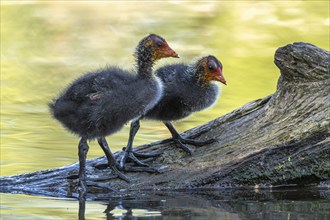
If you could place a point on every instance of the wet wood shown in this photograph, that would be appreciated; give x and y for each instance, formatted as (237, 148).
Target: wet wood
(282, 139)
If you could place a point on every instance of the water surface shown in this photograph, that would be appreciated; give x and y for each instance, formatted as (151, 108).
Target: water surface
(277, 204)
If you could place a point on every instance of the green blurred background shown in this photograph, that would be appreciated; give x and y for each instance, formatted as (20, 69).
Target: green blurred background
(46, 45)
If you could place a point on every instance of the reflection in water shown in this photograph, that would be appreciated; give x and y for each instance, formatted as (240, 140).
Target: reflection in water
(288, 203)
(82, 206)
(125, 209)
(227, 204)
(128, 209)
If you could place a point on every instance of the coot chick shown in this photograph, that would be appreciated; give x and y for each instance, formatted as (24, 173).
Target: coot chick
(187, 89)
(101, 102)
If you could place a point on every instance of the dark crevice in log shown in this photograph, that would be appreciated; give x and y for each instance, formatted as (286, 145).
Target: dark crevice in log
(282, 139)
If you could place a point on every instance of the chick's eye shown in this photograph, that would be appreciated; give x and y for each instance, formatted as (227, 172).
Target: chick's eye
(159, 42)
(211, 67)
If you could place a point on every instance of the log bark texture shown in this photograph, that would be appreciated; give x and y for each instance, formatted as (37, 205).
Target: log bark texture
(282, 139)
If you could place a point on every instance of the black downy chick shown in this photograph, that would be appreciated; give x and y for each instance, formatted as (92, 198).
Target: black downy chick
(101, 102)
(187, 89)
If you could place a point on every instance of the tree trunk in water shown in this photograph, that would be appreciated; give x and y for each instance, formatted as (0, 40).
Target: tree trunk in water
(282, 139)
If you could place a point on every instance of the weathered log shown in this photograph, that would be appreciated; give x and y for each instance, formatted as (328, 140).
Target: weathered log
(282, 139)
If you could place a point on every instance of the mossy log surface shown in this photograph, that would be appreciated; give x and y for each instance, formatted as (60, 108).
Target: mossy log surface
(282, 139)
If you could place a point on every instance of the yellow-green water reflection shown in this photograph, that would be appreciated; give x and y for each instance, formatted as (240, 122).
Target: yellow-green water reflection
(44, 46)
